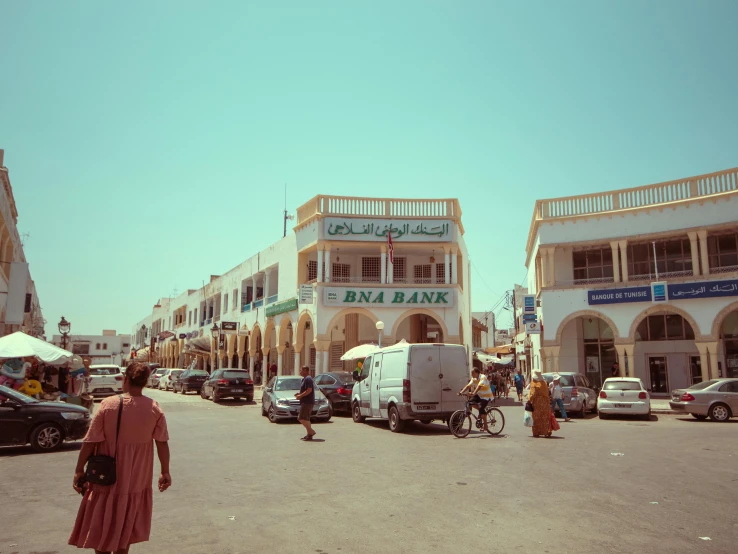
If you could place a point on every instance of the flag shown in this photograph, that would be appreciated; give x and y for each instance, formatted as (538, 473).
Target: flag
(390, 248)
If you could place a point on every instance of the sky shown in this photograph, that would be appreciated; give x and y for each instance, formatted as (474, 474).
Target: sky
(148, 143)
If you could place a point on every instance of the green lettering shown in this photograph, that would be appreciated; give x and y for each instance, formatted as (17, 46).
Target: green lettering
(413, 299)
(350, 296)
(399, 298)
(365, 296)
(441, 298)
(379, 299)
(428, 297)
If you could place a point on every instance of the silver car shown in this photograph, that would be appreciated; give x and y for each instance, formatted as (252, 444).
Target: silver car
(716, 399)
(580, 396)
(279, 402)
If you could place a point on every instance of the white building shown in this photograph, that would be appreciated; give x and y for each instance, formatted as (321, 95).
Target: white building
(593, 262)
(20, 309)
(108, 348)
(323, 289)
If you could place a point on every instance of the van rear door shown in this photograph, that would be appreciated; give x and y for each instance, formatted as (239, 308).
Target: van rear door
(425, 383)
(455, 375)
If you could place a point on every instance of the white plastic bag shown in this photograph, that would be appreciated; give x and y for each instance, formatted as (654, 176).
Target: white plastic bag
(528, 419)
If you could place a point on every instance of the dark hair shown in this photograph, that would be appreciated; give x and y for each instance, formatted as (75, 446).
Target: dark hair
(138, 374)
(306, 368)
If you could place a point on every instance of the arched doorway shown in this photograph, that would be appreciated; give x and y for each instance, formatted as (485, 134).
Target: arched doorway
(347, 329)
(419, 328)
(665, 353)
(729, 338)
(587, 347)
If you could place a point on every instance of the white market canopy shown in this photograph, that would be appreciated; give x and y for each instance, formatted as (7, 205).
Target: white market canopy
(20, 345)
(360, 352)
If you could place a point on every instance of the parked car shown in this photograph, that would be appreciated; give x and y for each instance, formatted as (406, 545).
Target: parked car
(716, 399)
(408, 382)
(624, 396)
(336, 387)
(45, 425)
(190, 380)
(279, 402)
(228, 383)
(155, 376)
(165, 381)
(580, 396)
(105, 380)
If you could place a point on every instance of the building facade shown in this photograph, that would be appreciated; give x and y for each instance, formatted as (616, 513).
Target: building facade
(107, 348)
(20, 309)
(329, 286)
(645, 276)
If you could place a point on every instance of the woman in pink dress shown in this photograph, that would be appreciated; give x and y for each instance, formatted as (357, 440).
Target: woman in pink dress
(111, 518)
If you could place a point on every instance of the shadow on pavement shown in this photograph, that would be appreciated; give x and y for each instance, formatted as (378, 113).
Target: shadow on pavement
(693, 420)
(12, 451)
(413, 428)
(235, 403)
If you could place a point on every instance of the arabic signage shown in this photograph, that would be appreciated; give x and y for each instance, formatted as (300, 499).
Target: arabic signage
(388, 297)
(376, 230)
(165, 335)
(306, 294)
(705, 289)
(229, 327)
(183, 335)
(529, 304)
(619, 296)
(281, 307)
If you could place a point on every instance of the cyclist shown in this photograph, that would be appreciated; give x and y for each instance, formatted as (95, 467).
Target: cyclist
(481, 393)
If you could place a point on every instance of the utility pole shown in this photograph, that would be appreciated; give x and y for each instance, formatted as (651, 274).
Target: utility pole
(286, 215)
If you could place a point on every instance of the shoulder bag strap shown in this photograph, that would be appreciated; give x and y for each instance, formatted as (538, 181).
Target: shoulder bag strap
(117, 428)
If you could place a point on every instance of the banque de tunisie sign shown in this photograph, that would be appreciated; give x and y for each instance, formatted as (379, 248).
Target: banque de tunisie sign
(388, 297)
(376, 230)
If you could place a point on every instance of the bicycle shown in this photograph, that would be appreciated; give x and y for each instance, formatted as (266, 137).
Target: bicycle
(460, 421)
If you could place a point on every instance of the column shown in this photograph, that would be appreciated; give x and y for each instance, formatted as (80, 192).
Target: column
(267, 273)
(693, 247)
(714, 358)
(328, 266)
(265, 365)
(320, 265)
(433, 272)
(326, 362)
(551, 267)
(390, 270)
(318, 361)
(253, 288)
(251, 364)
(280, 356)
(704, 360)
(615, 260)
(454, 267)
(624, 260)
(543, 257)
(384, 264)
(703, 255)
(447, 268)
(298, 349)
(621, 355)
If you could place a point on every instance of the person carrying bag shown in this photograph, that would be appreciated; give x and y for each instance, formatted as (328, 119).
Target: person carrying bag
(101, 469)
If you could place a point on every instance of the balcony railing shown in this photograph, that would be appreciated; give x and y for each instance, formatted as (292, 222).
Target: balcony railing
(724, 269)
(665, 275)
(209, 320)
(258, 303)
(246, 308)
(272, 299)
(377, 281)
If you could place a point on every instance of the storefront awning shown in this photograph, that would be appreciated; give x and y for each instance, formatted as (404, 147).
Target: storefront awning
(502, 350)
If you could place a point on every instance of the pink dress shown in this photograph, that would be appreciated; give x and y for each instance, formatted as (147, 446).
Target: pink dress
(112, 518)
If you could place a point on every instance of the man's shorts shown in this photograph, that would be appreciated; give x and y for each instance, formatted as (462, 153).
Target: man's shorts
(305, 411)
(482, 402)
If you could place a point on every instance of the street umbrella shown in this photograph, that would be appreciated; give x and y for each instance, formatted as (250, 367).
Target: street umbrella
(20, 345)
(360, 352)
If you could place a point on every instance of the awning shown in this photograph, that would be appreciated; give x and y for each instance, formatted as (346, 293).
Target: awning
(502, 350)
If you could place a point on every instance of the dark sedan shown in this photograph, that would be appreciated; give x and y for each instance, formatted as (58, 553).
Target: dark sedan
(228, 383)
(190, 380)
(337, 387)
(45, 425)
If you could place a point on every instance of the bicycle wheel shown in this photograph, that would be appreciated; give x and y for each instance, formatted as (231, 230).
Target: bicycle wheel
(459, 424)
(495, 421)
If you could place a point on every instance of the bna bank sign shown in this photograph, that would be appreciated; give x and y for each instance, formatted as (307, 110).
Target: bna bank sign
(388, 297)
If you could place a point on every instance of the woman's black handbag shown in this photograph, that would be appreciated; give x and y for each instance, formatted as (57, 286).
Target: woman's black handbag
(528, 406)
(101, 469)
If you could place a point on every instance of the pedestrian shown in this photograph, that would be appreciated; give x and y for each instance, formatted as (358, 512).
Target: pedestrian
(306, 396)
(64, 379)
(615, 369)
(539, 397)
(519, 384)
(113, 517)
(557, 396)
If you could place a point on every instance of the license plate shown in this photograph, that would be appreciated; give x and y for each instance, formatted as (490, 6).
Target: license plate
(421, 407)
(622, 405)
(236, 390)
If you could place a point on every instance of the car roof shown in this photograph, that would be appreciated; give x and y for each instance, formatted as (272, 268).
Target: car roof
(98, 366)
(634, 379)
(336, 373)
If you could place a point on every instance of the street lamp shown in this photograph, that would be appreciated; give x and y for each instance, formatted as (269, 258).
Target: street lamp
(64, 327)
(380, 327)
(143, 335)
(215, 331)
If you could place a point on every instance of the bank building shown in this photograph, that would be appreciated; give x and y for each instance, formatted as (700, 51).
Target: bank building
(353, 271)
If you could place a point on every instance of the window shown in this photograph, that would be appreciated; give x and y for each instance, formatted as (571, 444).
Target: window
(664, 327)
(593, 264)
(399, 273)
(189, 321)
(225, 302)
(235, 299)
(672, 257)
(366, 368)
(195, 315)
(336, 351)
(441, 273)
(722, 250)
(622, 385)
(105, 346)
(80, 348)
(422, 273)
(97, 346)
(341, 273)
(126, 344)
(371, 269)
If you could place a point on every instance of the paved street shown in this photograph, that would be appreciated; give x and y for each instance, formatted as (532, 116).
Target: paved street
(242, 484)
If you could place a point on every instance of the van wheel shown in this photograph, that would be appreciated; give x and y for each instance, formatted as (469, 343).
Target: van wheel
(396, 425)
(356, 413)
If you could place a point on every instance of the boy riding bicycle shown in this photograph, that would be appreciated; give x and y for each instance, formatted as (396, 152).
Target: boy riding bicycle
(481, 393)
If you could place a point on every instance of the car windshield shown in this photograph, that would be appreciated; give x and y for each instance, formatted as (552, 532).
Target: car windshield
(236, 375)
(198, 373)
(176, 371)
(345, 378)
(104, 371)
(566, 380)
(622, 385)
(703, 385)
(160, 372)
(289, 384)
(14, 394)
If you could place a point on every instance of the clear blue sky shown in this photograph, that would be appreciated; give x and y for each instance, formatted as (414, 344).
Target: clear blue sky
(138, 132)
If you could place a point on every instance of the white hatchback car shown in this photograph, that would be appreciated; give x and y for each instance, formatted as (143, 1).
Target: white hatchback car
(165, 381)
(624, 396)
(105, 380)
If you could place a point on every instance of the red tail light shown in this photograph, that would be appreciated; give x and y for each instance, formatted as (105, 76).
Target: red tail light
(118, 377)
(686, 397)
(603, 394)
(642, 395)
(574, 391)
(222, 382)
(249, 381)
(406, 396)
(343, 391)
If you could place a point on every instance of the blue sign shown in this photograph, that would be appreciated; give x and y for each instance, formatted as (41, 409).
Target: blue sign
(529, 317)
(658, 291)
(704, 289)
(529, 304)
(618, 296)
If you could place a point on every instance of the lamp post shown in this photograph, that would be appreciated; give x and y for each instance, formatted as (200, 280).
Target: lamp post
(215, 332)
(380, 328)
(64, 327)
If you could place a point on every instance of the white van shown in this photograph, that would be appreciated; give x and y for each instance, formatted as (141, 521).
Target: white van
(411, 382)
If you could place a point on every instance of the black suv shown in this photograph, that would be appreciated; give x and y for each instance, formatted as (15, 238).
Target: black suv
(228, 383)
(190, 380)
(45, 425)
